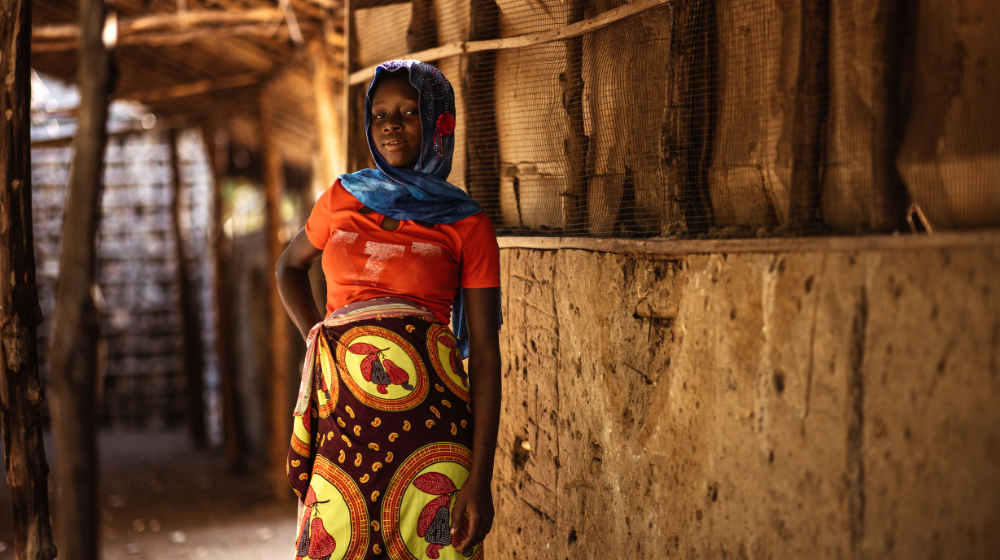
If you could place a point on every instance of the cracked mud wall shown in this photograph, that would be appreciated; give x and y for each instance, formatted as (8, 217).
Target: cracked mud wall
(806, 405)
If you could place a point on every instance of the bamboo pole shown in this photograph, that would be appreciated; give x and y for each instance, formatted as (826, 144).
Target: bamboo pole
(74, 356)
(193, 359)
(279, 398)
(21, 392)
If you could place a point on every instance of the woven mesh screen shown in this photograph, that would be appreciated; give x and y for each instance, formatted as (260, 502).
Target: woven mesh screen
(722, 118)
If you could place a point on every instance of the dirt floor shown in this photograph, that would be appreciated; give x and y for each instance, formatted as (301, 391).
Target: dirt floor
(162, 500)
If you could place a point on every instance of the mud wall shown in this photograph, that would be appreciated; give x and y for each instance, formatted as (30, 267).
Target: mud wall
(801, 405)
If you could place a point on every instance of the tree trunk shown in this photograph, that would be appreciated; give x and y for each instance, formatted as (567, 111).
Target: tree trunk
(222, 251)
(194, 363)
(280, 404)
(74, 346)
(21, 391)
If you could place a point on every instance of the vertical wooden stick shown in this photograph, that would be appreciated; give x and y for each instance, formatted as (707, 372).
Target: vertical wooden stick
(74, 346)
(482, 172)
(812, 98)
(577, 143)
(21, 392)
(328, 127)
(280, 404)
(345, 98)
(194, 363)
(223, 308)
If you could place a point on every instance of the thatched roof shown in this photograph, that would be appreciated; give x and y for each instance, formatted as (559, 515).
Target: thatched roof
(197, 60)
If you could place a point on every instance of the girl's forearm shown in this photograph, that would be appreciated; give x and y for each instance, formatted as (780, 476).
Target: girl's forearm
(484, 378)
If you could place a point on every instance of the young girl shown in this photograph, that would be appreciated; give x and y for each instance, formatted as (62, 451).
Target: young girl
(392, 447)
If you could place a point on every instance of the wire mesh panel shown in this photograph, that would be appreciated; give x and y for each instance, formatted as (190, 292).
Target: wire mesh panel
(708, 118)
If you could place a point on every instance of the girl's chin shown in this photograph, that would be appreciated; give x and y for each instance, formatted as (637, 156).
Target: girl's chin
(400, 162)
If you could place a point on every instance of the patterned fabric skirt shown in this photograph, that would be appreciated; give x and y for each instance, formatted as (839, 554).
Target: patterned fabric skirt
(382, 436)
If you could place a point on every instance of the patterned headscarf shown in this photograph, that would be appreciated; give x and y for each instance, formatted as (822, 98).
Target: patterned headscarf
(422, 193)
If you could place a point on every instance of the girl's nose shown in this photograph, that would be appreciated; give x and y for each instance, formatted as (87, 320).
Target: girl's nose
(392, 122)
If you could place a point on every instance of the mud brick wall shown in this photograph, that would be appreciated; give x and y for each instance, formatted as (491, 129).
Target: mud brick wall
(801, 405)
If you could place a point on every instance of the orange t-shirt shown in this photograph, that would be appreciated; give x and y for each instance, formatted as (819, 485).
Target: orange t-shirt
(362, 261)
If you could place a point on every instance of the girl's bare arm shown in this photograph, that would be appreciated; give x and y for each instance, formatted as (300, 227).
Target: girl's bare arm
(482, 312)
(292, 271)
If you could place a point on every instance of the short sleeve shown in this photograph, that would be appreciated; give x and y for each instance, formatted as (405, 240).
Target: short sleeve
(318, 224)
(481, 257)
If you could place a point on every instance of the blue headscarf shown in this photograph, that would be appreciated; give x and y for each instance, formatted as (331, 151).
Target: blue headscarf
(422, 193)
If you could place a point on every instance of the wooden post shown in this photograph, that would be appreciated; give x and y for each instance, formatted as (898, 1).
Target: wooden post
(812, 92)
(345, 98)
(699, 23)
(21, 391)
(422, 34)
(327, 118)
(194, 362)
(221, 252)
(279, 399)
(74, 346)
(577, 143)
(482, 171)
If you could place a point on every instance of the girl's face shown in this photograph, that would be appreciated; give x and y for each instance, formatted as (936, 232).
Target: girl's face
(395, 121)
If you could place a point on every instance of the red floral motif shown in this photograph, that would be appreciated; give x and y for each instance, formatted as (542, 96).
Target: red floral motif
(445, 124)
(380, 371)
(434, 523)
(453, 358)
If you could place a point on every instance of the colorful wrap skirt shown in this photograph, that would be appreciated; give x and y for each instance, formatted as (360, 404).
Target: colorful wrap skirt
(382, 436)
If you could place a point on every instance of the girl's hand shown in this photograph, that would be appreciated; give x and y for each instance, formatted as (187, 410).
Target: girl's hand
(475, 499)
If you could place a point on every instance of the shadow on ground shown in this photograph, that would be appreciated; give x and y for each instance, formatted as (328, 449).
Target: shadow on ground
(162, 500)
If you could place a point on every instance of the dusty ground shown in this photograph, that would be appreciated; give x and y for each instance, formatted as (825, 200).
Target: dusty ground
(162, 500)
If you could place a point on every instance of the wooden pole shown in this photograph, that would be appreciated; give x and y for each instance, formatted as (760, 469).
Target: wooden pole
(812, 98)
(482, 172)
(279, 397)
(194, 362)
(75, 342)
(577, 143)
(327, 118)
(21, 391)
(222, 250)
(345, 100)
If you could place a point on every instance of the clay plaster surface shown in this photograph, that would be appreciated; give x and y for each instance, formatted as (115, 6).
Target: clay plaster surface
(803, 405)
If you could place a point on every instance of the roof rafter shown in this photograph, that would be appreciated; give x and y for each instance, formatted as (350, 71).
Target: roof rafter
(171, 29)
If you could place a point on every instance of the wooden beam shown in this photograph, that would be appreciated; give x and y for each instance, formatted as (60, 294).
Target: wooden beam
(681, 247)
(164, 22)
(21, 391)
(194, 88)
(74, 355)
(566, 32)
(172, 29)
